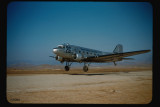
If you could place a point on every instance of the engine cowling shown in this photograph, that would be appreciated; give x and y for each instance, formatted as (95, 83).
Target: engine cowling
(59, 58)
(78, 57)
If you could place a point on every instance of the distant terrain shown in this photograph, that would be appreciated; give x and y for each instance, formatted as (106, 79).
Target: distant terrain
(24, 68)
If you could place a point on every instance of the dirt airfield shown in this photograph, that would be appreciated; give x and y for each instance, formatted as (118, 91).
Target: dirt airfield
(97, 86)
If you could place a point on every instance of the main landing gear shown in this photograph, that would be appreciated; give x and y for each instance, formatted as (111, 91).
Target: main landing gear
(85, 67)
(68, 64)
(67, 67)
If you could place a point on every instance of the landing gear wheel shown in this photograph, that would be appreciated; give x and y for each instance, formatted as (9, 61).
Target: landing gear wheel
(66, 68)
(85, 68)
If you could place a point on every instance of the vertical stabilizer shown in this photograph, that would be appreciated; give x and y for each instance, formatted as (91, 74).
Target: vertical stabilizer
(118, 49)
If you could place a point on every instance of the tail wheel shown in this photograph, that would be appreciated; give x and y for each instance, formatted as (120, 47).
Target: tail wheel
(66, 68)
(85, 68)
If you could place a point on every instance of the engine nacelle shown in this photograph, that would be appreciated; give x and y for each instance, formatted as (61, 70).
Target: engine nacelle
(78, 57)
(59, 58)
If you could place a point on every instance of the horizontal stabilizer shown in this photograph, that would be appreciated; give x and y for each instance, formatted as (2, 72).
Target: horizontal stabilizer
(127, 58)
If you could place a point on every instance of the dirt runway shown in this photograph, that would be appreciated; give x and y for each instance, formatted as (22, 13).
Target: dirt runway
(82, 88)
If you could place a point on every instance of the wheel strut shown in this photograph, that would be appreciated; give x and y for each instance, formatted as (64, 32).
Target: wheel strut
(67, 67)
(85, 67)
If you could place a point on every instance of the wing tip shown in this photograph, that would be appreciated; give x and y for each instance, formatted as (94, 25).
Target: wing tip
(148, 50)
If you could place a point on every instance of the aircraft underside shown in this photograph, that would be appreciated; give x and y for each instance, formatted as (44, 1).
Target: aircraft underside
(86, 63)
(85, 67)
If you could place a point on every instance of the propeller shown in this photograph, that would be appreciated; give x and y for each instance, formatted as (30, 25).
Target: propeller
(53, 56)
(56, 57)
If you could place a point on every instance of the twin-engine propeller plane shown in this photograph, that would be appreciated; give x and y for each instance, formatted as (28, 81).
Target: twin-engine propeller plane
(71, 53)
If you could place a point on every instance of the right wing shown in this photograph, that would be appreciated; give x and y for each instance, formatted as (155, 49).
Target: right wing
(114, 56)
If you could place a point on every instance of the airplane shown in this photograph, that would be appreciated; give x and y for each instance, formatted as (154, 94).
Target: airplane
(71, 53)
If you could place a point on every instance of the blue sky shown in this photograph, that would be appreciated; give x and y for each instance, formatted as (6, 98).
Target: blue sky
(35, 28)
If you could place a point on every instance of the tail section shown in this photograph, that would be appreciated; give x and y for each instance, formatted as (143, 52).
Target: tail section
(118, 49)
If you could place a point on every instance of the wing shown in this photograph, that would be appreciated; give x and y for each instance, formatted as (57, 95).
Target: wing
(114, 56)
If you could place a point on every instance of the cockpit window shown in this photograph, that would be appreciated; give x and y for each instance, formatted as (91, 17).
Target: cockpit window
(60, 46)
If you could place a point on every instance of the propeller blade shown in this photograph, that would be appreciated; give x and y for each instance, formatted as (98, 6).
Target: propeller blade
(53, 56)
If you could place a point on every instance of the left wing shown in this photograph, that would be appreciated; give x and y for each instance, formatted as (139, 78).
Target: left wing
(114, 56)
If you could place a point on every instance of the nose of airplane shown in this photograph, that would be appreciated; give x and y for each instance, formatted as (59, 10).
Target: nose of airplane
(55, 50)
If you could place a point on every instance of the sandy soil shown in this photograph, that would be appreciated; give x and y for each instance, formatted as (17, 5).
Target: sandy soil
(85, 88)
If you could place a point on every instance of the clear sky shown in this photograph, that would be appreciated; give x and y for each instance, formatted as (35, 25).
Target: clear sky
(35, 28)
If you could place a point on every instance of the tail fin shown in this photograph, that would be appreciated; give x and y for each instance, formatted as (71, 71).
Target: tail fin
(118, 49)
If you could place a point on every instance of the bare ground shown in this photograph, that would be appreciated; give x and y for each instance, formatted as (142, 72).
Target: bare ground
(134, 87)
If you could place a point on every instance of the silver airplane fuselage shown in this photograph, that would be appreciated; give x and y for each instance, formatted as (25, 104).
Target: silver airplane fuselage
(72, 53)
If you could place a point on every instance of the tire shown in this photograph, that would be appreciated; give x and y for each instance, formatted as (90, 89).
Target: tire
(85, 68)
(66, 68)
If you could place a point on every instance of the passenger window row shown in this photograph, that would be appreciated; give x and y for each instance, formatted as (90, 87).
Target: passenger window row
(91, 53)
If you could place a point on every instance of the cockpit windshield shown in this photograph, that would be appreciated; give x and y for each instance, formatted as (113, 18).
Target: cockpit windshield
(60, 46)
